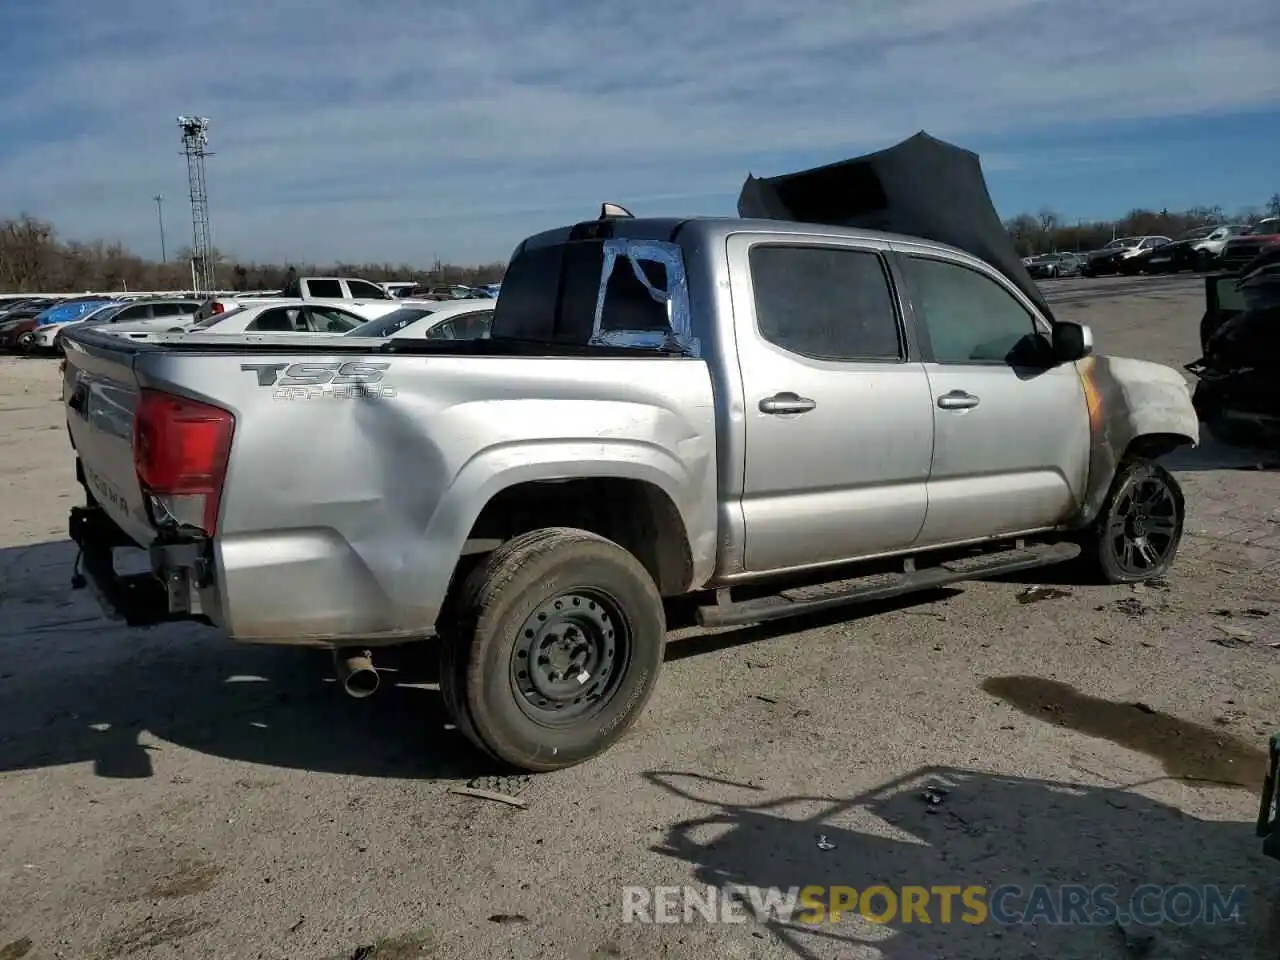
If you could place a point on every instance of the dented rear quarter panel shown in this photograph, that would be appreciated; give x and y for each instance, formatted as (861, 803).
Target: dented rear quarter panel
(1129, 399)
(343, 518)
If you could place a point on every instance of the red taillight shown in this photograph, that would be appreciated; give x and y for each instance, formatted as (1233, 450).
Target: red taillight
(218, 307)
(180, 449)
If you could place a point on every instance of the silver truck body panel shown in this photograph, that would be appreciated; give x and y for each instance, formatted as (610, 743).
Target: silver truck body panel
(843, 479)
(343, 517)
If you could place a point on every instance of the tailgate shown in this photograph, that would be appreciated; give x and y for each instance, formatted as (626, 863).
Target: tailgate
(100, 394)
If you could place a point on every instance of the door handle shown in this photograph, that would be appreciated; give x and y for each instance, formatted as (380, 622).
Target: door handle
(786, 402)
(957, 400)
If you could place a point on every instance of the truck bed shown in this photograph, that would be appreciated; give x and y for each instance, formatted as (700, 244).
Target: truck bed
(345, 505)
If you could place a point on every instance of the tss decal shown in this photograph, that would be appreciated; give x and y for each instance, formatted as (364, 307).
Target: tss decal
(338, 374)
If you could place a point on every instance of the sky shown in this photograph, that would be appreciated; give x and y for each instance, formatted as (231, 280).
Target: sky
(401, 131)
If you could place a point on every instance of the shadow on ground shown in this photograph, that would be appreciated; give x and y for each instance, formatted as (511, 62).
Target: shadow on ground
(77, 688)
(948, 827)
(1213, 454)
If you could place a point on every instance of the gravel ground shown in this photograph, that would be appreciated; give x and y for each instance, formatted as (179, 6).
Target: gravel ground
(166, 794)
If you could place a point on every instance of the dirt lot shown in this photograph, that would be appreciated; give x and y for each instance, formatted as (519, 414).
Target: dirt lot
(166, 794)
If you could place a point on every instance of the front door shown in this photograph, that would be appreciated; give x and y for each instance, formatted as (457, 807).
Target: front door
(1011, 436)
(838, 420)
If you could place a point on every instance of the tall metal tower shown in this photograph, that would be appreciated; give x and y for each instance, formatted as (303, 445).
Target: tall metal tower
(195, 141)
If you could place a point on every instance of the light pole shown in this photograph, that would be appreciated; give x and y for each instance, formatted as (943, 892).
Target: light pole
(160, 216)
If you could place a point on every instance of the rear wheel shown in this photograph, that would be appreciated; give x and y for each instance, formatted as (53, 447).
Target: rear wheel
(553, 649)
(1137, 533)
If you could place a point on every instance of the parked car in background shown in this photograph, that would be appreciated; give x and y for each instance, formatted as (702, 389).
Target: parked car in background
(334, 288)
(1196, 249)
(57, 316)
(19, 321)
(160, 313)
(1111, 258)
(46, 338)
(448, 291)
(445, 320)
(273, 316)
(1054, 266)
(1240, 251)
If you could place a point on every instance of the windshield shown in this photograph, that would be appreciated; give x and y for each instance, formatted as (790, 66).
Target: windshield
(1121, 243)
(389, 324)
(1198, 233)
(1263, 228)
(216, 318)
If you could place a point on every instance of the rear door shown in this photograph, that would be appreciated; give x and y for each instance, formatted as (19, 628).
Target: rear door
(1011, 437)
(837, 412)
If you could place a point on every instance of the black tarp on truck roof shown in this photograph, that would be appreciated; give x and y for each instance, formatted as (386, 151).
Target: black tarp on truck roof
(922, 187)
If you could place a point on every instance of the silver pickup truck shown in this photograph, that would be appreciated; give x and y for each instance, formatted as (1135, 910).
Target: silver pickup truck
(774, 417)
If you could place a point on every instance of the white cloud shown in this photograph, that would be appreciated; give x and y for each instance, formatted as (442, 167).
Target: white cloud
(395, 130)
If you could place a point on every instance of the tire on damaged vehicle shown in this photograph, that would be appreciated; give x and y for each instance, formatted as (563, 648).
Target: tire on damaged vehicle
(1136, 534)
(552, 649)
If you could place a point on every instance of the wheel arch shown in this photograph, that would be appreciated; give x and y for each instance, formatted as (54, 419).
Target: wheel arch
(1136, 409)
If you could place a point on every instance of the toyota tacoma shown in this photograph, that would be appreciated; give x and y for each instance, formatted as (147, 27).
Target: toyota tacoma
(817, 404)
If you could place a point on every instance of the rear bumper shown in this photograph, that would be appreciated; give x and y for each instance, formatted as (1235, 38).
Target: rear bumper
(163, 595)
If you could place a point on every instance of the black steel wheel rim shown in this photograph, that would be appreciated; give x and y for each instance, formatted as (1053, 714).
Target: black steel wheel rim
(570, 657)
(1144, 525)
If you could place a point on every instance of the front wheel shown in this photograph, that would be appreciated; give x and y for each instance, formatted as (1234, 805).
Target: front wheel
(553, 649)
(1137, 533)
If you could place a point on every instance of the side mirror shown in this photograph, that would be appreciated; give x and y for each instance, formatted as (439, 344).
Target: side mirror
(1071, 341)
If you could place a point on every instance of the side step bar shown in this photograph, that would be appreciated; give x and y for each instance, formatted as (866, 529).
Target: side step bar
(843, 593)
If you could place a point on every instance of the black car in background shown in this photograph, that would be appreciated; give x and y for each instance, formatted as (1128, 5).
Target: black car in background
(1114, 257)
(1196, 249)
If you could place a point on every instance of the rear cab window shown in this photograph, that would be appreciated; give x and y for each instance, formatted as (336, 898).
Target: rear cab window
(613, 292)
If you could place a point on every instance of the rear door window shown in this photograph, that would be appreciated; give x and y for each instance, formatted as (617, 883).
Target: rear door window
(331, 320)
(364, 290)
(467, 326)
(325, 289)
(278, 320)
(137, 311)
(826, 303)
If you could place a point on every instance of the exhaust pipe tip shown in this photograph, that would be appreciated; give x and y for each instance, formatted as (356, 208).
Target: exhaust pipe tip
(356, 672)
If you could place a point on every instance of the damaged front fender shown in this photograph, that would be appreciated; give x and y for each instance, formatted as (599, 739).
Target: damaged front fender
(1132, 404)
